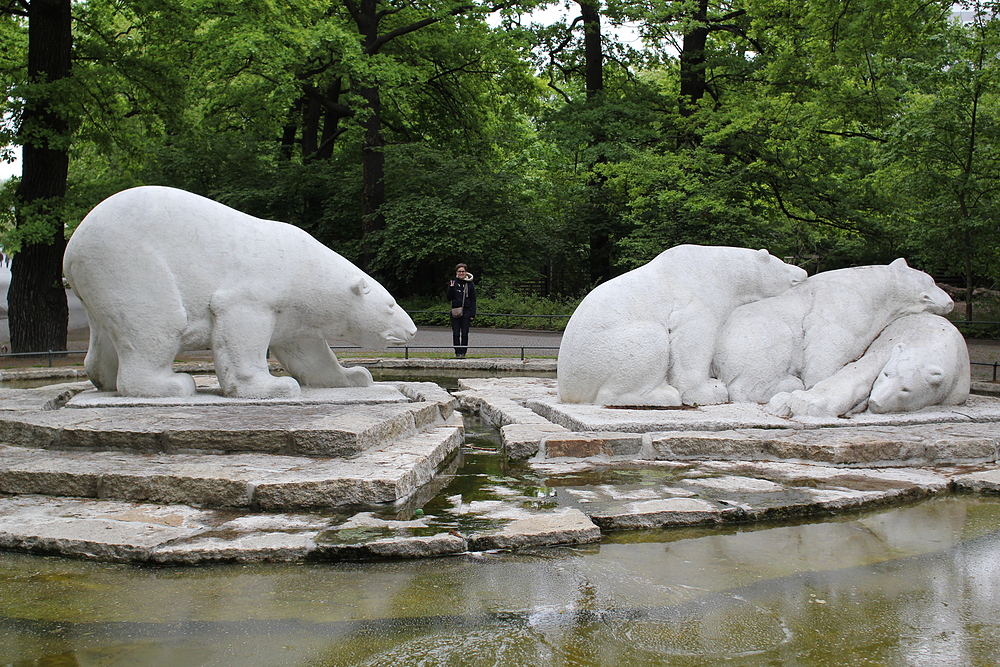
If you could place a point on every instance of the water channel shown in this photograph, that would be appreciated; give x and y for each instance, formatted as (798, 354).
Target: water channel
(916, 584)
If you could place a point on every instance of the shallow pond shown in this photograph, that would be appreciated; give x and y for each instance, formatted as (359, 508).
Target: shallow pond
(913, 585)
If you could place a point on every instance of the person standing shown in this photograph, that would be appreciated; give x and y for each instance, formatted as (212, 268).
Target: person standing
(462, 294)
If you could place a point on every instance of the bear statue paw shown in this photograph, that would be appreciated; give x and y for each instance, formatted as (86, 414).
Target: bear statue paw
(712, 392)
(358, 376)
(811, 404)
(778, 405)
(269, 387)
(154, 386)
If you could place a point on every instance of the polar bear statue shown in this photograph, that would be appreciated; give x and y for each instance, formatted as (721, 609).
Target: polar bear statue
(161, 270)
(796, 339)
(917, 361)
(646, 337)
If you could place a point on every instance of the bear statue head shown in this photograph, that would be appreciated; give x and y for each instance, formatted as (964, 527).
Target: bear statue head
(374, 319)
(929, 297)
(912, 379)
(777, 276)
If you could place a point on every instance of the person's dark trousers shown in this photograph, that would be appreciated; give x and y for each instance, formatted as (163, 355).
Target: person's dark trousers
(460, 334)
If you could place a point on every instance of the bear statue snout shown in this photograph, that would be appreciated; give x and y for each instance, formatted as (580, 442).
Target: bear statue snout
(401, 334)
(399, 338)
(935, 300)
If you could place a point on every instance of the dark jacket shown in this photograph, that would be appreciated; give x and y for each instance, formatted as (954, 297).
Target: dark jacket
(455, 294)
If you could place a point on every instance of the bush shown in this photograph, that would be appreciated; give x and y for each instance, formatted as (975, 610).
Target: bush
(512, 310)
(986, 308)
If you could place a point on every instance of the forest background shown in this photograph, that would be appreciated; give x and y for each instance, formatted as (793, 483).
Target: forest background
(409, 135)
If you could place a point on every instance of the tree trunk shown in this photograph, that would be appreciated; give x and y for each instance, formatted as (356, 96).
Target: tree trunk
(331, 121)
(310, 129)
(36, 300)
(291, 130)
(599, 221)
(593, 47)
(692, 62)
(373, 175)
(373, 144)
(970, 283)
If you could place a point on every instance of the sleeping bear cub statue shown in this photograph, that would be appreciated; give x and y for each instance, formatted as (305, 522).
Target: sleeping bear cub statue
(161, 270)
(917, 361)
(794, 340)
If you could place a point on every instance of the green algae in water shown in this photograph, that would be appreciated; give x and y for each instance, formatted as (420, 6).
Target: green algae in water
(356, 536)
(907, 585)
(621, 474)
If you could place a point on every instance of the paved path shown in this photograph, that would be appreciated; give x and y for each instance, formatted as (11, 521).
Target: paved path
(510, 339)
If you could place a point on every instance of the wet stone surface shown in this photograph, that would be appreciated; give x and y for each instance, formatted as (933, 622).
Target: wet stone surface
(461, 483)
(533, 422)
(634, 496)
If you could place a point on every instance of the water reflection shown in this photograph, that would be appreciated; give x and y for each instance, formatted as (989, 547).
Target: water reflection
(916, 585)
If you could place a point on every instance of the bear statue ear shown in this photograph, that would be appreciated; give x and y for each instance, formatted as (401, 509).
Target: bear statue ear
(934, 374)
(899, 264)
(361, 287)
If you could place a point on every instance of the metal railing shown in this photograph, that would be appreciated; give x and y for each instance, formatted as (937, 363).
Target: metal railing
(994, 365)
(959, 324)
(406, 348)
(48, 354)
(445, 315)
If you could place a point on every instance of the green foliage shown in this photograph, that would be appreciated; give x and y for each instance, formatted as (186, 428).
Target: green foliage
(505, 304)
(830, 133)
(942, 157)
(444, 208)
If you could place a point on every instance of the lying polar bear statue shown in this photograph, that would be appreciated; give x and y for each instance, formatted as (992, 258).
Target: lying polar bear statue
(794, 340)
(161, 270)
(647, 336)
(917, 361)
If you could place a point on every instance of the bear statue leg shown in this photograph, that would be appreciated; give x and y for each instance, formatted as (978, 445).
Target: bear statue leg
(313, 364)
(637, 362)
(148, 371)
(101, 362)
(240, 336)
(691, 371)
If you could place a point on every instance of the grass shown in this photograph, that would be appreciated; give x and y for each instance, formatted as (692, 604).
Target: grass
(515, 310)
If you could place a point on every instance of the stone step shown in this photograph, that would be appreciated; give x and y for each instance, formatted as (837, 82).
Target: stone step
(177, 534)
(321, 423)
(383, 474)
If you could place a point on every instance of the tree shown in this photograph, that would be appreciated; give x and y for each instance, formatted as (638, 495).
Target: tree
(37, 308)
(943, 155)
(368, 16)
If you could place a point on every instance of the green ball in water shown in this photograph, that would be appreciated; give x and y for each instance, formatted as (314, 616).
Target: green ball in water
(419, 512)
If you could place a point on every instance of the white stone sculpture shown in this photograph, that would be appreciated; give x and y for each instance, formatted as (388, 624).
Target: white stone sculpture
(794, 340)
(916, 361)
(647, 336)
(161, 270)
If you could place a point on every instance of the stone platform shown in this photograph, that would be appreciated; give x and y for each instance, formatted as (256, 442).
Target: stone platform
(93, 475)
(376, 474)
(634, 468)
(534, 424)
(329, 447)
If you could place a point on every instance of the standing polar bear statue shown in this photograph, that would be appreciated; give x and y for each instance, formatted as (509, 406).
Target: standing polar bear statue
(161, 270)
(792, 341)
(647, 337)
